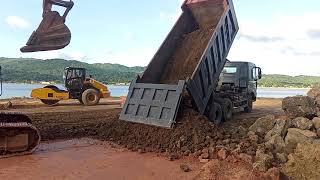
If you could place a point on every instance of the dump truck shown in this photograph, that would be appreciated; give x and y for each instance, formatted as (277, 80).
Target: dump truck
(190, 60)
(79, 86)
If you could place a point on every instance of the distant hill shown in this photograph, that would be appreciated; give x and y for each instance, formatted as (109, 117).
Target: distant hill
(276, 80)
(36, 70)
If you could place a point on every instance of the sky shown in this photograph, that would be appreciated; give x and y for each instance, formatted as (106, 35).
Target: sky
(280, 36)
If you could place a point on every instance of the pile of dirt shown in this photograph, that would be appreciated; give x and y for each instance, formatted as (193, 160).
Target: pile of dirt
(193, 133)
(187, 56)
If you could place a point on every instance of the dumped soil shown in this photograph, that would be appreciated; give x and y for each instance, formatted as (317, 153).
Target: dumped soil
(192, 133)
(187, 56)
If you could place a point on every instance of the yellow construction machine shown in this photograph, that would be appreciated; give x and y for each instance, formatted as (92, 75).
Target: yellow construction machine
(86, 89)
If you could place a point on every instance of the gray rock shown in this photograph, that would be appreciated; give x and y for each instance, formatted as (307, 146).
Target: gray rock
(263, 125)
(296, 136)
(302, 123)
(316, 122)
(318, 133)
(280, 128)
(299, 106)
(282, 157)
(262, 162)
(314, 92)
(276, 144)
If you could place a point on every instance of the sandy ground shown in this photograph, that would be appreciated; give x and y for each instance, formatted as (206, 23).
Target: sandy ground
(91, 159)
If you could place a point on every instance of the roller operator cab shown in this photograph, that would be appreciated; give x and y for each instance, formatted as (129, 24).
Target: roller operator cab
(78, 86)
(237, 85)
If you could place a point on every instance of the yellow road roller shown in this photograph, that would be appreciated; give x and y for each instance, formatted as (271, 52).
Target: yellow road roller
(86, 89)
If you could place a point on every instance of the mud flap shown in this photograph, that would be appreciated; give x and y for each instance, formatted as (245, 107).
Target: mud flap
(52, 34)
(153, 104)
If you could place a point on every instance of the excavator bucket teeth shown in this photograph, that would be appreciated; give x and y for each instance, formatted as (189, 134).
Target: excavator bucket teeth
(17, 135)
(52, 34)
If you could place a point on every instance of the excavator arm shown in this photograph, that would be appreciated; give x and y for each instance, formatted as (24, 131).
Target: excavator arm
(52, 33)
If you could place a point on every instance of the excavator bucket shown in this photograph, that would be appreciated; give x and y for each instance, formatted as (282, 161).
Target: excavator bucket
(52, 34)
(17, 135)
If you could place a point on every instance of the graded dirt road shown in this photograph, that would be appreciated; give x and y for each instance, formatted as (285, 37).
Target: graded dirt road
(91, 159)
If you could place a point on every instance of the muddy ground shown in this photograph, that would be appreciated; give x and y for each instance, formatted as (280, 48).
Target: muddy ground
(71, 120)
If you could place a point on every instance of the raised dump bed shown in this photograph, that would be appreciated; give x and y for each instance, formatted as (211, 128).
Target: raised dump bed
(191, 58)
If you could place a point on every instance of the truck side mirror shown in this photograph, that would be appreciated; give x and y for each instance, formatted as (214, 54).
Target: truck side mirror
(257, 73)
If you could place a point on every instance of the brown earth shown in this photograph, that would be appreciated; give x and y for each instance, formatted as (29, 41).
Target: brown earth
(188, 53)
(192, 133)
(92, 159)
(187, 56)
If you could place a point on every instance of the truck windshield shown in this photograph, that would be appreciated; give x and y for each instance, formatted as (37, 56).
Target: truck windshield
(229, 70)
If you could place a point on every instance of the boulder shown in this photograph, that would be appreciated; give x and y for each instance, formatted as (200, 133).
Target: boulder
(304, 163)
(281, 157)
(263, 125)
(280, 128)
(314, 92)
(276, 144)
(299, 106)
(296, 136)
(302, 123)
(262, 162)
(316, 122)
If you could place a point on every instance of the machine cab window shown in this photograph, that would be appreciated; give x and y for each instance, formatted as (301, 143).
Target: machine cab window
(229, 70)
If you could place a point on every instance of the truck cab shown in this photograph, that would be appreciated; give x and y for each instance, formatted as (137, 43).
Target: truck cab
(240, 77)
(239, 81)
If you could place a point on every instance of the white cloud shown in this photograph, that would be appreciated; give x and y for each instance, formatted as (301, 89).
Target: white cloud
(17, 22)
(283, 45)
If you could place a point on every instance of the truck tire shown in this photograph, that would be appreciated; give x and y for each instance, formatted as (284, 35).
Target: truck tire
(248, 108)
(90, 97)
(227, 109)
(215, 114)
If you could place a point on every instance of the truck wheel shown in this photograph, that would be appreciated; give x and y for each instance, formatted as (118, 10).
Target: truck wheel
(227, 109)
(248, 108)
(215, 114)
(49, 102)
(90, 97)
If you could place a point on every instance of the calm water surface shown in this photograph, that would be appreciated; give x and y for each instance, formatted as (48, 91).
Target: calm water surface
(23, 90)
